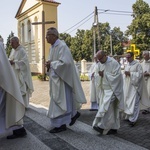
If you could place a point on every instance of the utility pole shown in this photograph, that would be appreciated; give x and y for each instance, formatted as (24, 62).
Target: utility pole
(43, 40)
(111, 44)
(96, 30)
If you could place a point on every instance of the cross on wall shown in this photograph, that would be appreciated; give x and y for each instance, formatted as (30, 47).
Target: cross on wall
(43, 23)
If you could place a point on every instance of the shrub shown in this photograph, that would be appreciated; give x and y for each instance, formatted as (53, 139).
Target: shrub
(84, 77)
(42, 77)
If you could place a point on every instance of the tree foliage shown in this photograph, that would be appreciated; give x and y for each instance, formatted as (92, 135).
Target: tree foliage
(87, 45)
(112, 37)
(139, 28)
(76, 45)
(8, 46)
(82, 44)
(66, 37)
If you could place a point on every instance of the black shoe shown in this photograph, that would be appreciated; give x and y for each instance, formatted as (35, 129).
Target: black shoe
(145, 112)
(73, 119)
(132, 124)
(126, 120)
(93, 109)
(58, 129)
(112, 131)
(98, 129)
(19, 133)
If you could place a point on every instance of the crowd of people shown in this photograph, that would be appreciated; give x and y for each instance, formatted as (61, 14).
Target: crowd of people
(122, 93)
(113, 93)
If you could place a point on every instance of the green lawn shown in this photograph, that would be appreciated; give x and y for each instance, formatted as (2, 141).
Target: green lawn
(34, 77)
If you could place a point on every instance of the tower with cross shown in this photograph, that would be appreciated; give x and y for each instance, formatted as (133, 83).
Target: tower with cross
(43, 23)
(34, 18)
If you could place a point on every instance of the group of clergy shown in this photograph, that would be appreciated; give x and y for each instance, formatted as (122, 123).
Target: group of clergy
(112, 90)
(117, 93)
(15, 89)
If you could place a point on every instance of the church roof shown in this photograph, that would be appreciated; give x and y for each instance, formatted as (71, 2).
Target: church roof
(23, 2)
(51, 1)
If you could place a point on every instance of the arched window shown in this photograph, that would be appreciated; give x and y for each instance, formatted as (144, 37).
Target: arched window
(29, 40)
(29, 31)
(36, 29)
(22, 34)
(36, 39)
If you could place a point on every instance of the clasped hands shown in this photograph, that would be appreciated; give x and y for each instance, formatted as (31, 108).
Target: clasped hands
(92, 76)
(47, 65)
(11, 62)
(127, 73)
(101, 73)
(146, 74)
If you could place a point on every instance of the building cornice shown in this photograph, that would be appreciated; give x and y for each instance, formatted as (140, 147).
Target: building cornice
(19, 14)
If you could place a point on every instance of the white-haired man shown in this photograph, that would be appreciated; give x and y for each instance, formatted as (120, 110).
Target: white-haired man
(20, 64)
(66, 92)
(146, 72)
(107, 119)
(94, 81)
(135, 95)
(12, 107)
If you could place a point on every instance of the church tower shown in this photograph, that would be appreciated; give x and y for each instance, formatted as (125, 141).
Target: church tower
(34, 18)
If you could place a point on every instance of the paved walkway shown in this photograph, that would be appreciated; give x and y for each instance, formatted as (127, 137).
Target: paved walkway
(40, 95)
(140, 134)
(80, 136)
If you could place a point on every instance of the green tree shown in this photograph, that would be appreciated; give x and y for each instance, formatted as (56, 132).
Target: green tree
(87, 46)
(117, 39)
(82, 44)
(114, 37)
(66, 37)
(76, 45)
(8, 46)
(104, 32)
(139, 28)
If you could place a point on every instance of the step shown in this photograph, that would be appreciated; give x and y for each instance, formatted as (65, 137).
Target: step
(30, 142)
(80, 136)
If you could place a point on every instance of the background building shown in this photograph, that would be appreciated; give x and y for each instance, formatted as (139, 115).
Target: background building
(34, 18)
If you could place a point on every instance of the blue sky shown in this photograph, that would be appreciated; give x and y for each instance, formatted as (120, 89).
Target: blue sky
(70, 12)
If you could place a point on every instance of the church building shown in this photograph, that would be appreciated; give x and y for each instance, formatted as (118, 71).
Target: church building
(34, 18)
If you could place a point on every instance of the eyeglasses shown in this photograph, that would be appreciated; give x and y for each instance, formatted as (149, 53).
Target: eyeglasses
(101, 58)
(128, 57)
(48, 35)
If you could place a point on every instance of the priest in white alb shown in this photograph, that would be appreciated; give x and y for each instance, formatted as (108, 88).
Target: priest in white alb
(135, 92)
(94, 80)
(66, 93)
(146, 72)
(12, 108)
(107, 119)
(20, 64)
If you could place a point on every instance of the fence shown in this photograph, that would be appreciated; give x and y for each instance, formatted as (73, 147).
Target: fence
(83, 66)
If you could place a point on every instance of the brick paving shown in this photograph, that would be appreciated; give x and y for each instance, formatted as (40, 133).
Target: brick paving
(139, 134)
(40, 95)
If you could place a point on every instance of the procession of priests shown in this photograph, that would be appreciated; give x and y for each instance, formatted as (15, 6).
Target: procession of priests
(12, 107)
(94, 85)
(115, 94)
(123, 93)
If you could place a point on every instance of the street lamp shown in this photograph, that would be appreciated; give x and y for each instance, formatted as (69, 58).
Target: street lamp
(111, 44)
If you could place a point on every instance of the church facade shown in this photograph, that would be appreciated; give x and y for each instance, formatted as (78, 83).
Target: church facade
(34, 18)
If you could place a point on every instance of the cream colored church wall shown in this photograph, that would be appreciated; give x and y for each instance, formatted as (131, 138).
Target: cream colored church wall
(34, 45)
(29, 4)
(50, 15)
